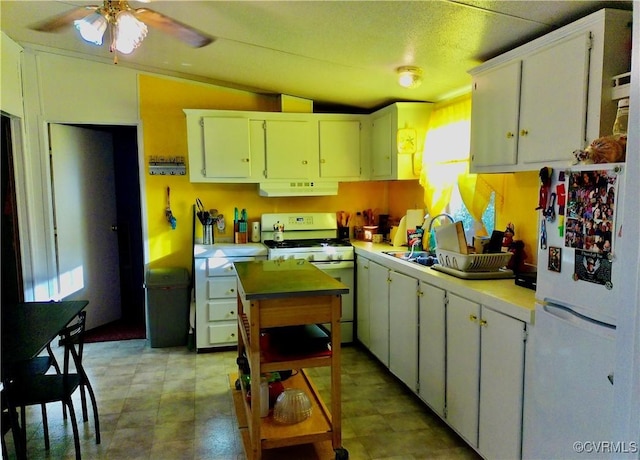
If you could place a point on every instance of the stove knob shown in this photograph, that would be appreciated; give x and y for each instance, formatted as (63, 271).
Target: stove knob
(292, 257)
(310, 257)
(281, 258)
(338, 257)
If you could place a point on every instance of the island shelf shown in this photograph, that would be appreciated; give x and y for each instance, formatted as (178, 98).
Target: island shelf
(274, 294)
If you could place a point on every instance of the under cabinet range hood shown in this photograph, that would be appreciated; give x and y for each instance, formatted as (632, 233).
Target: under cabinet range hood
(298, 188)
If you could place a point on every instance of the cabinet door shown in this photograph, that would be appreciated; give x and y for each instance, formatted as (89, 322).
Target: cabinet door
(339, 149)
(381, 142)
(431, 345)
(553, 107)
(226, 147)
(463, 366)
(501, 384)
(403, 328)
(362, 301)
(291, 149)
(379, 311)
(494, 118)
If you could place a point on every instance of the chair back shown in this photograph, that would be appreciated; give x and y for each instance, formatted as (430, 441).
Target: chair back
(72, 338)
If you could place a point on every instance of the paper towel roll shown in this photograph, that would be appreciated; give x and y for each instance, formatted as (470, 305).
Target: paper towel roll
(400, 237)
(415, 217)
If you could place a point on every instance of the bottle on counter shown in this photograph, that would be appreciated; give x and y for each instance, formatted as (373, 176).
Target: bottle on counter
(358, 226)
(622, 118)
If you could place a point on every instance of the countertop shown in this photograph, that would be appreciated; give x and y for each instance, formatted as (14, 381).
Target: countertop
(271, 279)
(229, 250)
(502, 295)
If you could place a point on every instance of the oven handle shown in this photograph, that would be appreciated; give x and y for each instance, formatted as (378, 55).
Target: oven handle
(334, 264)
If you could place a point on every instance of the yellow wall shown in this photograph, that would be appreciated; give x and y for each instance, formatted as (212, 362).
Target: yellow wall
(164, 133)
(518, 207)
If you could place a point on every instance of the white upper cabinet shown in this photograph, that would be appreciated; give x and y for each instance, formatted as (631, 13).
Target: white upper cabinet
(397, 140)
(553, 106)
(340, 149)
(536, 104)
(494, 117)
(227, 149)
(291, 149)
(224, 146)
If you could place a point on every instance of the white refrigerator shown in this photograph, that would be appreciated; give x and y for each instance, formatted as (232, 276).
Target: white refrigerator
(569, 375)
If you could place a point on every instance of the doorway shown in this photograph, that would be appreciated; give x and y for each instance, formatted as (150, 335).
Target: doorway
(12, 291)
(98, 226)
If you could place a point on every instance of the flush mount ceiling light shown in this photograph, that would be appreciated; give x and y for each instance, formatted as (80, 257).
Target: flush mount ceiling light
(409, 76)
(127, 26)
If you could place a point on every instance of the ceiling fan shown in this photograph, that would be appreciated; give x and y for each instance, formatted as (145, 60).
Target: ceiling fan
(127, 26)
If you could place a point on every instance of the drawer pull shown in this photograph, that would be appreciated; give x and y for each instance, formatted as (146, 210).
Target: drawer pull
(473, 318)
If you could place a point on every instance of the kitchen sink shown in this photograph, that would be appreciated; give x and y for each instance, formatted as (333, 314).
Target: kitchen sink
(426, 258)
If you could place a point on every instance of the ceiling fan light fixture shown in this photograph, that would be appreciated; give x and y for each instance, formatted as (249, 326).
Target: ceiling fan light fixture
(92, 27)
(409, 76)
(129, 32)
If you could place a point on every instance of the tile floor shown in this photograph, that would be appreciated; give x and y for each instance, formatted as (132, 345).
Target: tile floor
(169, 403)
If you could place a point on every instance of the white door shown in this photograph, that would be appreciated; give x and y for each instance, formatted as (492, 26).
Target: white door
(501, 383)
(463, 366)
(362, 301)
(431, 368)
(403, 328)
(84, 213)
(379, 312)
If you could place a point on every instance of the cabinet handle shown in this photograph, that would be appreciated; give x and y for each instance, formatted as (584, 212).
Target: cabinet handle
(483, 323)
(323, 161)
(473, 318)
(304, 162)
(524, 132)
(245, 160)
(509, 135)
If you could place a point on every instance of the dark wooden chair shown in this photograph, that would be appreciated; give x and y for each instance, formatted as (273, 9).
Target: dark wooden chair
(47, 388)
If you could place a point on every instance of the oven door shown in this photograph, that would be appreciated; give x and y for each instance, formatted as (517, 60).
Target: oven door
(342, 271)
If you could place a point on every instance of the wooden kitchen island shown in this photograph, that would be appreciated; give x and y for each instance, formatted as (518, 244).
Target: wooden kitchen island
(277, 293)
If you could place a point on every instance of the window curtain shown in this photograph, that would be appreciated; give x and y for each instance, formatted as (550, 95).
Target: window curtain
(445, 162)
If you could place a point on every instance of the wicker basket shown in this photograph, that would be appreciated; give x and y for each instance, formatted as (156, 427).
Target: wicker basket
(473, 262)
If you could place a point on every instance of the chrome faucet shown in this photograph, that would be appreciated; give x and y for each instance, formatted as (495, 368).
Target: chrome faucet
(444, 214)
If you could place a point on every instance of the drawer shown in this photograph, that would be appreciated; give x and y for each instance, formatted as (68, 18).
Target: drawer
(223, 266)
(222, 287)
(223, 334)
(222, 310)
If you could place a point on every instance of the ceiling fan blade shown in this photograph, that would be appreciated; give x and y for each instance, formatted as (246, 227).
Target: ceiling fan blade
(64, 19)
(174, 28)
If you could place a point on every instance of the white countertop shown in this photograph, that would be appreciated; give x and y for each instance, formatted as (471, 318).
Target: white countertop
(229, 250)
(502, 295)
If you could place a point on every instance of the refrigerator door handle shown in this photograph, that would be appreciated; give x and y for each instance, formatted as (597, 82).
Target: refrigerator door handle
(561, 310)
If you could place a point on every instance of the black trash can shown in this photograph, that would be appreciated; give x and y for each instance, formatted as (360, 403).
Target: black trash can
(167, 307)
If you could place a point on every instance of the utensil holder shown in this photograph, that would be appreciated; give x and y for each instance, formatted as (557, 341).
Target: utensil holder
(207, 233)
(343, 233)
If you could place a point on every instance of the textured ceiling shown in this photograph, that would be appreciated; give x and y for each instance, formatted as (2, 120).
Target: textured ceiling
(333, 52)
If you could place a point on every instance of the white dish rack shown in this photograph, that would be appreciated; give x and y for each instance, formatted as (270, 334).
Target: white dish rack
(473, 262)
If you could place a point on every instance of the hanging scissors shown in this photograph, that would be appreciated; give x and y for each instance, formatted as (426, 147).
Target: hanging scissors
(550, 212)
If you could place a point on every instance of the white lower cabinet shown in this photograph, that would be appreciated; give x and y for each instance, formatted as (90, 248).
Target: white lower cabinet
(463, 367)
(363, 320)
(431, 346)
(403, 328)
(485, 377)
(463, 359)
(379, 312)
(216, 301)
(501, 385)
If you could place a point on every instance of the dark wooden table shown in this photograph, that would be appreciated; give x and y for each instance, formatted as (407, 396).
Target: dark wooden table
(28, 327)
